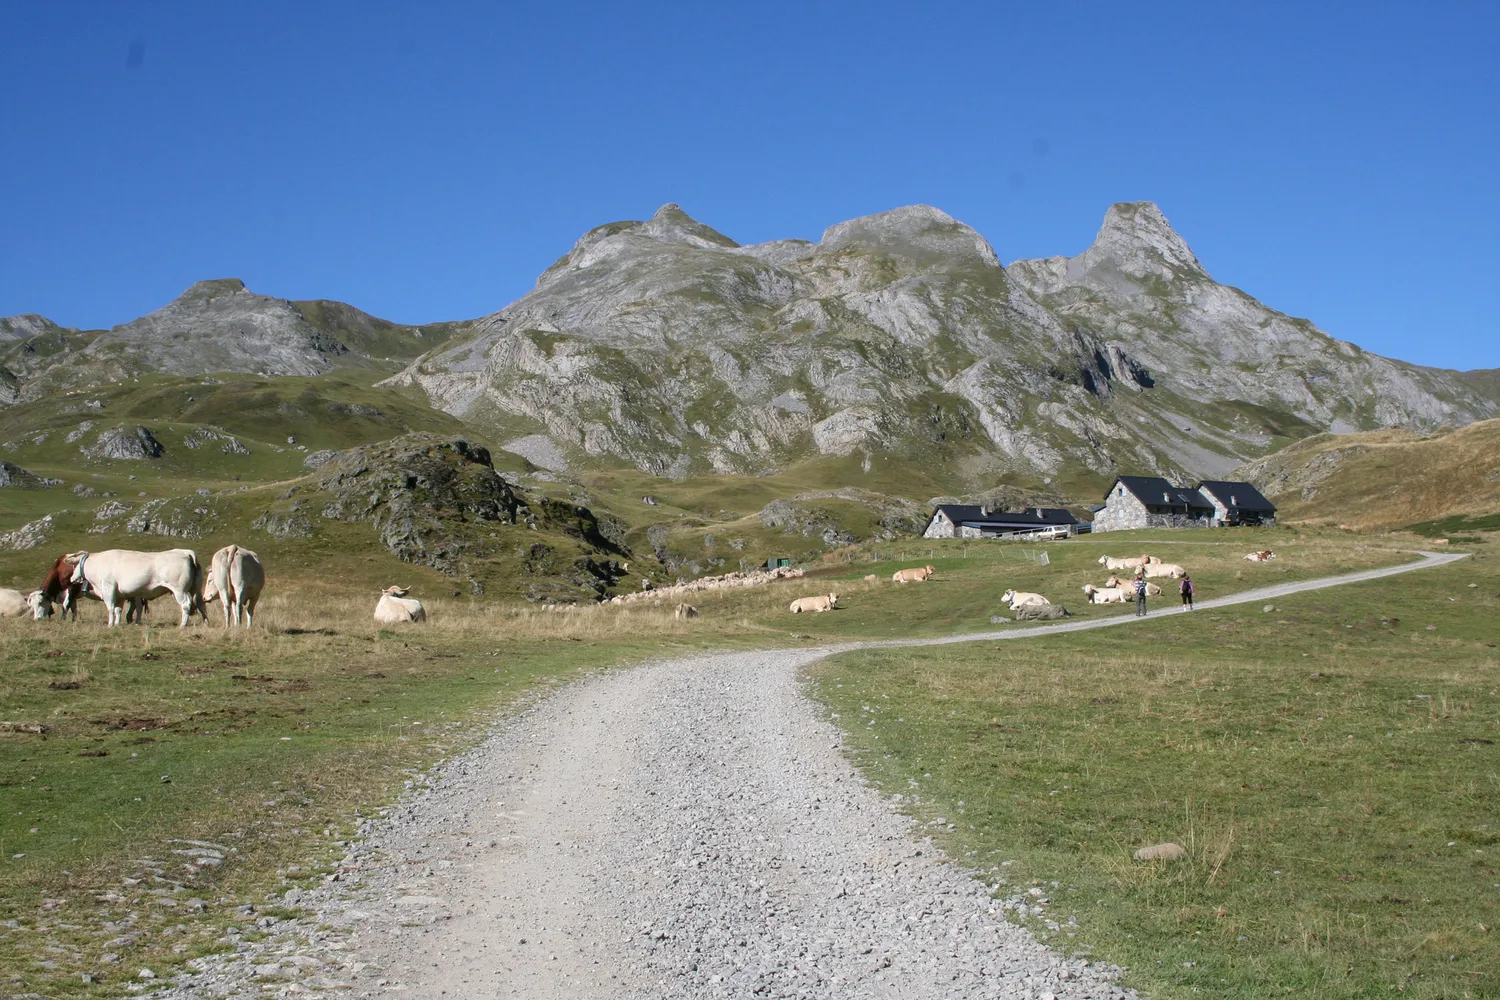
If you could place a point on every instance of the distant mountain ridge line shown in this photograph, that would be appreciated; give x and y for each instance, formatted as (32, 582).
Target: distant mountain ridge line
(666, 345)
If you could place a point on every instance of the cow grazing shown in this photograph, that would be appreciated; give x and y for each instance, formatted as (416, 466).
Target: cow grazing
(236, 577)
(823, 602)
(919, 575)
(58, 588)
(395, 606)
(116, 576)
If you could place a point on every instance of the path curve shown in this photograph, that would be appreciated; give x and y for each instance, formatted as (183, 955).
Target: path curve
(683, 829)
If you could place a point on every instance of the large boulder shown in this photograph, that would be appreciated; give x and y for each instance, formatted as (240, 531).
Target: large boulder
(125, 442)
(1042, 613)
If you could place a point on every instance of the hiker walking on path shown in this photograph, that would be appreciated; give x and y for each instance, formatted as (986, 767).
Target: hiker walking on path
(1186, 587)
(1140, 595)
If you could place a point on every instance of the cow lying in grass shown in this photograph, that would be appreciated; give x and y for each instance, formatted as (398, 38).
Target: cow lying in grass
(919, 575)
(395, 606)
(823, 602)
(1018, 599)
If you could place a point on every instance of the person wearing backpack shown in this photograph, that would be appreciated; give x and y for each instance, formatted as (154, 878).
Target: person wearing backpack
(1140, 595)
(1186, 588)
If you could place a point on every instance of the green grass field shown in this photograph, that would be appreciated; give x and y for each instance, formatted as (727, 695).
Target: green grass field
(1332, 767)
(273, 743)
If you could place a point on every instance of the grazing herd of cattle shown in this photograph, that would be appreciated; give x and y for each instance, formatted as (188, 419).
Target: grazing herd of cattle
(125, 581)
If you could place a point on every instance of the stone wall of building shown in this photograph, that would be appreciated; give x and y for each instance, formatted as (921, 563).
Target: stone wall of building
(1121, 513)
(939, 527)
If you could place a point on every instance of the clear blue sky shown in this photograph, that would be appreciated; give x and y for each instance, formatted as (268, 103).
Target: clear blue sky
(1337, 161)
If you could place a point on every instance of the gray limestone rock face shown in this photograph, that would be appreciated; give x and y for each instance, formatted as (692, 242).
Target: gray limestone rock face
(669, 346)
(125, 442)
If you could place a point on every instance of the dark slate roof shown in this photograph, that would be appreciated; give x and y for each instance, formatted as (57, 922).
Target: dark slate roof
(1157, 491)
(1244, 495)
(1041, 517)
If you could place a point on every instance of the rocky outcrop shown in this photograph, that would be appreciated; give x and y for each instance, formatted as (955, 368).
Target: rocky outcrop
(125, 442)
(439, 502)
(29, 535)
(13, 476)
(669, 346)
(210, 436)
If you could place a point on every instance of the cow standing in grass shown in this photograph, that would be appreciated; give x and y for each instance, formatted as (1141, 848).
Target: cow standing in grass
(236, 577)
(117, 576)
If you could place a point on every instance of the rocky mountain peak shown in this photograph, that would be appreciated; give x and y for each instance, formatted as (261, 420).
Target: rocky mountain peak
(25, 326)
(1138, 240)
(671, 224)
(911, 231)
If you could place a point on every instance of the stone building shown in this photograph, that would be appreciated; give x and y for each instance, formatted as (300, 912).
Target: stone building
(1237, 503)
(956, 520)
(1152, 502)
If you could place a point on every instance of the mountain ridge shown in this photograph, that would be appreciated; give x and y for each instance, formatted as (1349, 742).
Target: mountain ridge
(666, 345)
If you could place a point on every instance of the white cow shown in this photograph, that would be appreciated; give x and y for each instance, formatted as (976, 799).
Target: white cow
(1134, 562)
(395, 606)
(116, 576)
(1105, 595)
(235, 576)
(13, 603)
(1152, 590)
(1164, 569)
(1017, 601)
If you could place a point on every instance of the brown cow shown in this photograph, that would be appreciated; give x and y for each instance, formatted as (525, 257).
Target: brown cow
(58, 588)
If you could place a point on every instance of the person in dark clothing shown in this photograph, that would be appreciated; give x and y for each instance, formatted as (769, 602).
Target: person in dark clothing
(1140, 595)
(1186, 588)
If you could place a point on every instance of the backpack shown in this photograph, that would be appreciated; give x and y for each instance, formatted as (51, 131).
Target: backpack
(1140, 588)
(1186, 586)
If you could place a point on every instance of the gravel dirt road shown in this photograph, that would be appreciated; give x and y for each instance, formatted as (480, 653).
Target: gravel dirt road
(680, 829)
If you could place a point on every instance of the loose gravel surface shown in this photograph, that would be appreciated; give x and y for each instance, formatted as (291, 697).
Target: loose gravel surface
(681, 829)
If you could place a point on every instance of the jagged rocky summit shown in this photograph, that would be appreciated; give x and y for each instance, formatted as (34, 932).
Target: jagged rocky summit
(666, 345)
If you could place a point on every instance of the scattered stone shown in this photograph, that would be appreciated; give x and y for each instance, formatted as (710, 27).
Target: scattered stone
(1269, 608)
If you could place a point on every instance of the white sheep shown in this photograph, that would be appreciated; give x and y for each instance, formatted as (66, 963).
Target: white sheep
(1019, 599)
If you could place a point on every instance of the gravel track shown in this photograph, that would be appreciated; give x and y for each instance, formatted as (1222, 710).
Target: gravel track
(682, 829)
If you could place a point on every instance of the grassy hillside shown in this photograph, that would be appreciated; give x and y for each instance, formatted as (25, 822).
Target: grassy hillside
(1330, 768)
(1442, 483)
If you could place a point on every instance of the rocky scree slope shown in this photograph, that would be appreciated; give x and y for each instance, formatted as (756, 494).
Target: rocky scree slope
(214, 326)
(668, 346)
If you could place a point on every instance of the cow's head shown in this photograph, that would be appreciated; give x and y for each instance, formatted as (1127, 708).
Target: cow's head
(1008, 596)
(833, 599)
(1103, 560)
(41, 608)
(76, 560)
(397, 591)
(931, 570)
